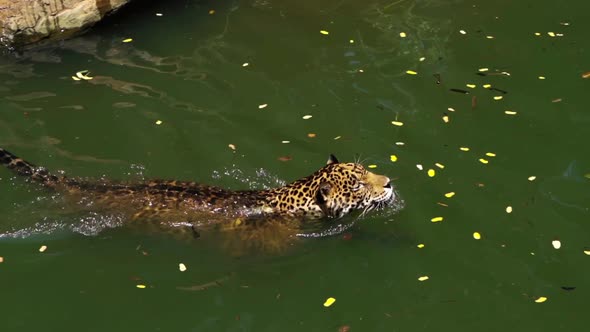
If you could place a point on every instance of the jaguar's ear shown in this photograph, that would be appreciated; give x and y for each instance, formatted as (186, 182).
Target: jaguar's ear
(321, 195)
(332, 160)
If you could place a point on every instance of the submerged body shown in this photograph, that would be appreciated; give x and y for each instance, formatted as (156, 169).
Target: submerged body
(331, 192)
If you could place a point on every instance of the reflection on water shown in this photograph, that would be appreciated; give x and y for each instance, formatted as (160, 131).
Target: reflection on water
(570, 190)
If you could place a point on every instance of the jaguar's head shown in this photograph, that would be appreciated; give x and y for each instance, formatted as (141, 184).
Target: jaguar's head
(334, 191)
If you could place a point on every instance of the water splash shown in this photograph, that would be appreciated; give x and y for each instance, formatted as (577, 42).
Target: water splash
(261, 179)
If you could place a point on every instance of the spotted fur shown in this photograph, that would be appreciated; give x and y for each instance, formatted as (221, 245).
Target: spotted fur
(331, 192)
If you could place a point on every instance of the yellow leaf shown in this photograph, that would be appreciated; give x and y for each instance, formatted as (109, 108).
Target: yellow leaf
(329, 302)
(436, 219)
(476, 235)
(450, 194)
(411, 72)
(423, 278)
(128, 40)
(541, 299)
(397, 123)
(324, 32)
(393, 158)
(431, 172)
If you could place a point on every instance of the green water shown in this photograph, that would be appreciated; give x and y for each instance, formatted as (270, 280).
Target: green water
(185, 68)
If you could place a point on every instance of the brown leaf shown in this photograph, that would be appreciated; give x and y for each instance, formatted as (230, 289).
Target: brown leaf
(285, 158)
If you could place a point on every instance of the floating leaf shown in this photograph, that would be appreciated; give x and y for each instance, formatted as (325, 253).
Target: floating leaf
(231, 146)
(324, 32)
(431, 172)
(498, 97)
(182, 267)
(439, 165)
(411, 72)
(159, 122)
(43, 248)
(450, 194)
(393, 158)
(541, 299)
(463, 32)
(423, 278)
(397, 123)
(83, 74)
(476, 235)
(445, 118)
(261, 106)
(421, 245)
(471, 86)
(372, 166)
(329, 301)
(402, 34)
(307, 117)
(509, 209)
(483, 161)
(510, 112)
(532, 178)
(487, 86)
(436, 219)
(140, 286)
(490, 154)
(464, 148)
(586, 74)
(128, 40)
(459, 91)
(556, 244)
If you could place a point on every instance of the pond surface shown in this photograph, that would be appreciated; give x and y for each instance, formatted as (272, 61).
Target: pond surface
(202, 70)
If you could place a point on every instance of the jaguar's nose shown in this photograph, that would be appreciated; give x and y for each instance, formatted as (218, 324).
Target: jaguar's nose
(387, 184)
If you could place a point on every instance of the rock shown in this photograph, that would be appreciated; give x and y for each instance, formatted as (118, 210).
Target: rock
(25, 22)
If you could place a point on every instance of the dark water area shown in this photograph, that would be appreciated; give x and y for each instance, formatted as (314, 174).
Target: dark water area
(490, 95)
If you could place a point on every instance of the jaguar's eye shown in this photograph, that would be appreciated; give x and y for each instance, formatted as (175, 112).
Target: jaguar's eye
(358, 185)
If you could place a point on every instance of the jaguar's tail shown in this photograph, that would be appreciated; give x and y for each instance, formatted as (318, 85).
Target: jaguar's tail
(26, 169)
